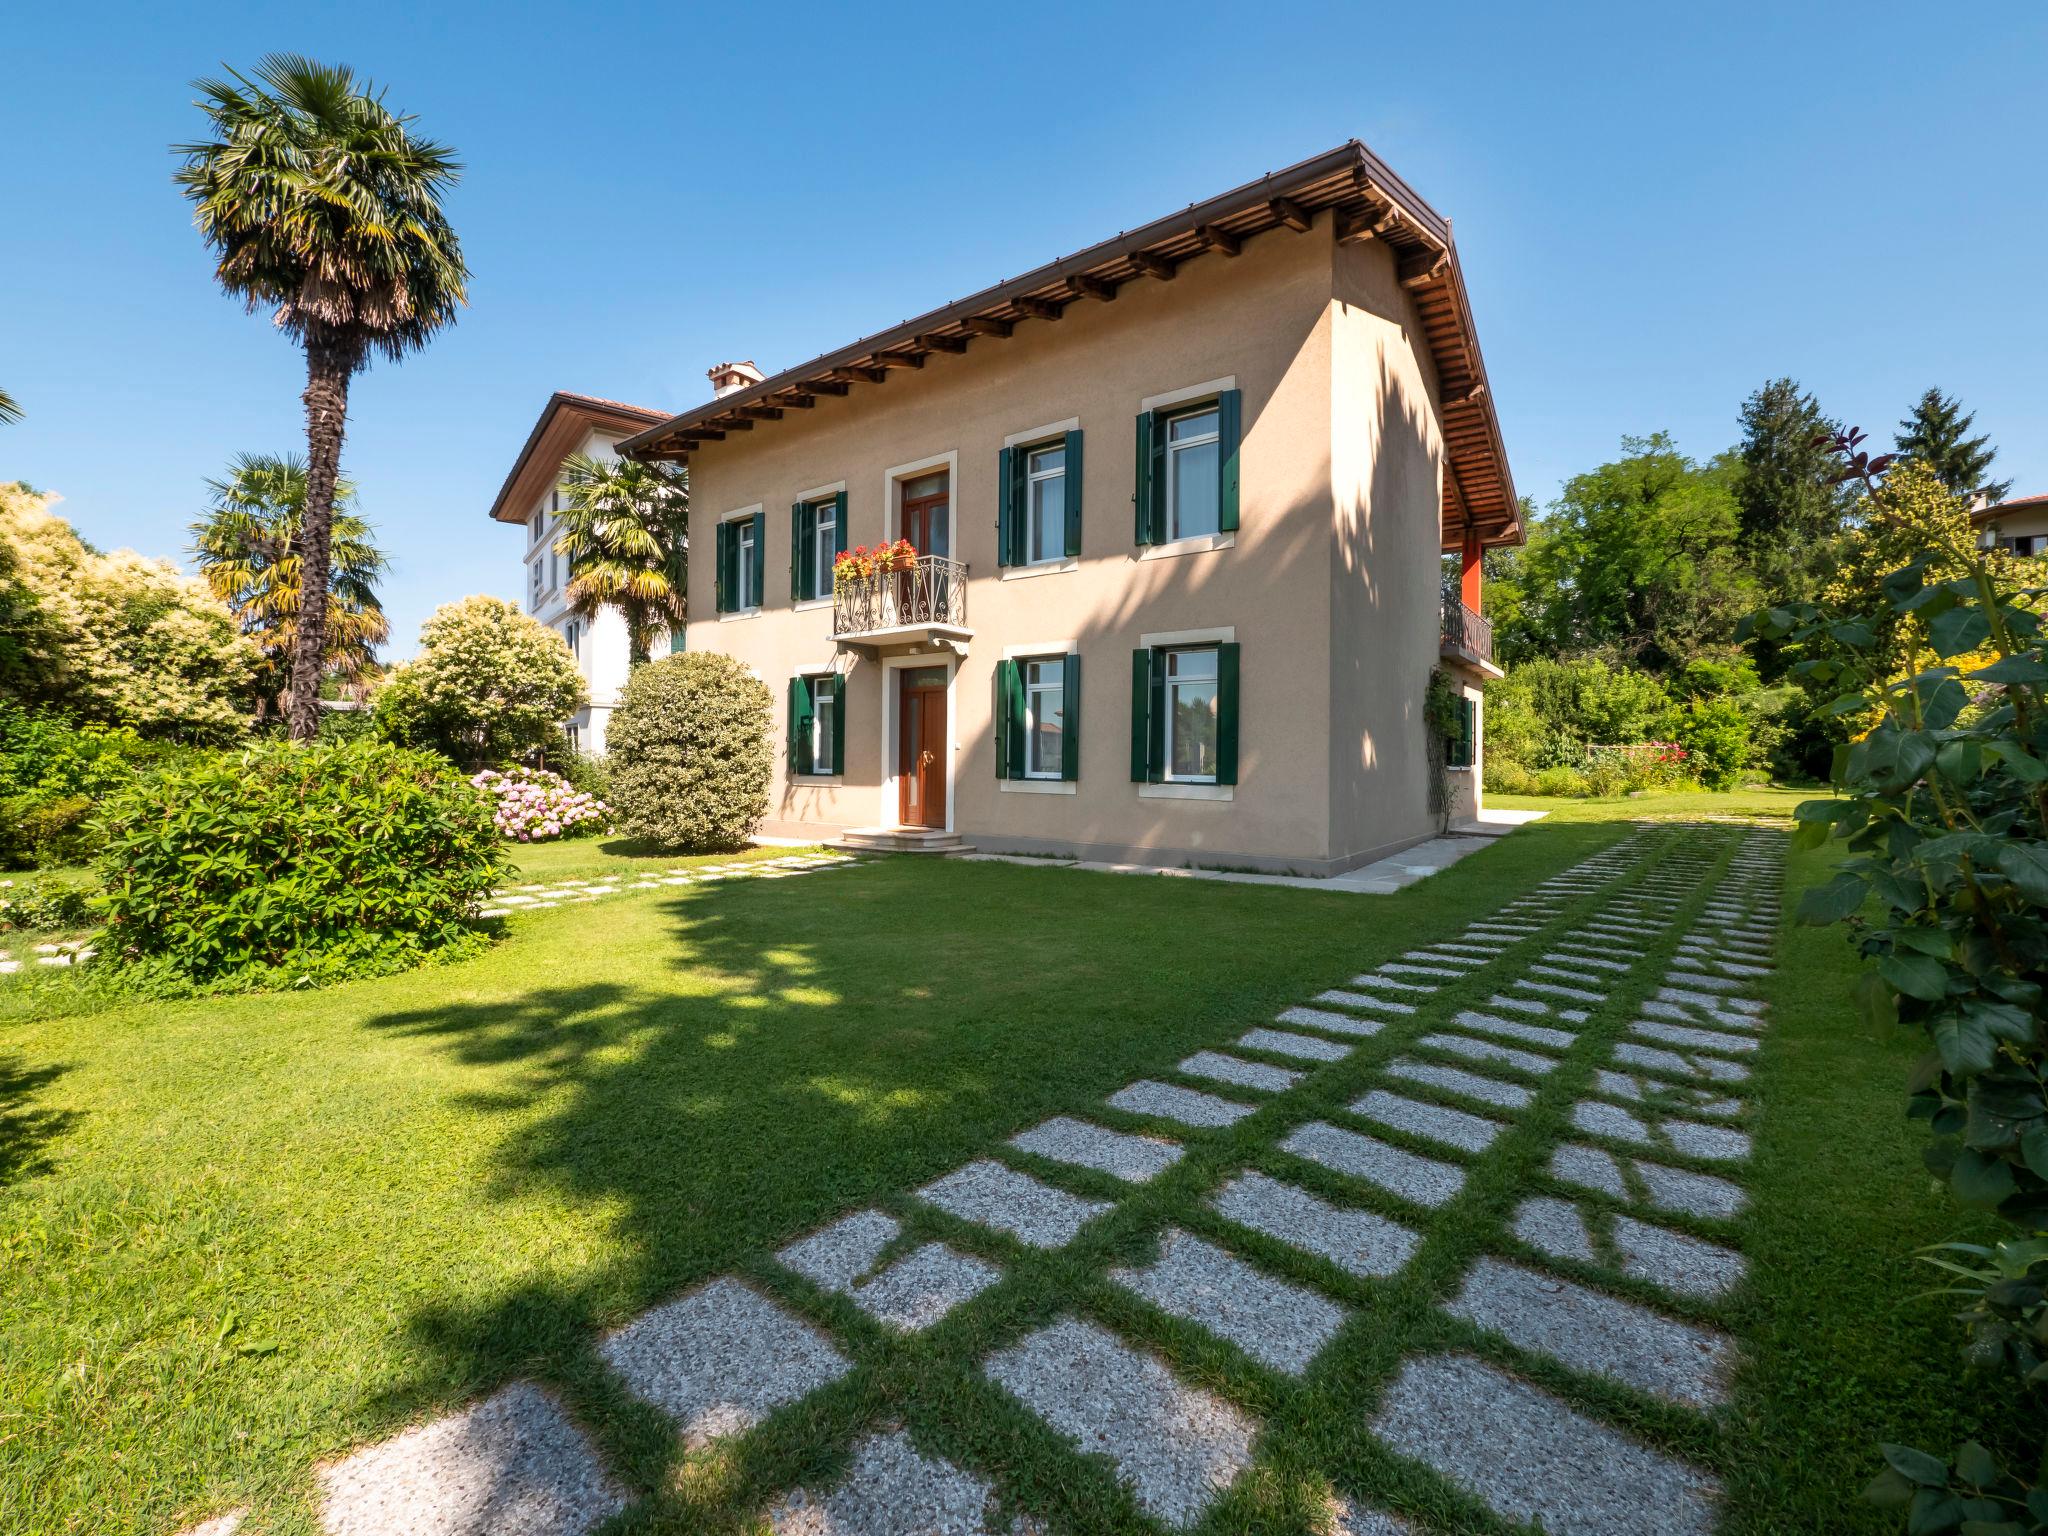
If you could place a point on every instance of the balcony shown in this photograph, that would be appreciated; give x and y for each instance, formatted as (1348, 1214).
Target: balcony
(1467, 637)
(923, 604)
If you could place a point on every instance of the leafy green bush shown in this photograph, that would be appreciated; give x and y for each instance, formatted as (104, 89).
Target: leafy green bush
(1505, 776)
(53, 772)
(490, 685)
(44, 904)
(1549, 711)
(317, 861)
(689, 752)
(1560, 781)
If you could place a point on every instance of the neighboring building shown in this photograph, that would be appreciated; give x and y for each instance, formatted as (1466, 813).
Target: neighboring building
(1177, 501)
(2020, 525)
(568, 425)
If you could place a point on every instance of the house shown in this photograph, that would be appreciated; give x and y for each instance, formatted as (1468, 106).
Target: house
(2020, 525)
(531, 497)
(1177, 503)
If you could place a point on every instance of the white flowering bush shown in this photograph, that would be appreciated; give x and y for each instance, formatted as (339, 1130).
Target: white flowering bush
(533, 805)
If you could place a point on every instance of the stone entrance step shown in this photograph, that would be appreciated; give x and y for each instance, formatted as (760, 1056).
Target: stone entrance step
(903, 840)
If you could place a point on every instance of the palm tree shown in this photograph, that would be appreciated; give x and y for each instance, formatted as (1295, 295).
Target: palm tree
(247, 548)
(320, 201)
(623, 531)
(9, 411)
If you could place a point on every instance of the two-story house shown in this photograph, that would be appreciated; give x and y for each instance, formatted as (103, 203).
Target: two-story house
(531, 497)
(1177, 504)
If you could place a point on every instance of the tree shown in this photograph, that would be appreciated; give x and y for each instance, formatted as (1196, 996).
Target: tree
(1935, 435)
(247, 548)
(321, 201)
(625, 534)
(489, 686)
(1792, 502)
(9, 411)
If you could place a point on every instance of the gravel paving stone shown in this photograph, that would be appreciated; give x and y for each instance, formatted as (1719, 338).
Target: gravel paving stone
(1134, 1159)
(1680, 1064)
(1358, 1242)
(1681, 1264)
(1692, 1194)
(1528, 1005)
(1470, 1085)
(1598, 962)
(514, 1464)
(1242, 1074)
(1334, 1023)
(922, 1287)
(1344, 999)
(720, 1360)
(1389, 984)
(1747, 1005)
(1422, 1180)
(1405, 968)
(1302, 1047)
(219, 1525)
(1534, 1034)
(1486, 1050)
(1690, 980)
(1692, 1013)
(991, 1195)
(1697, 1039)
(1175, 1447)
(1714, 1143)
(1561, 973)
(1347, 1519)
(1589, 1168)
(1487, 950)
(1556, 1227)
(1436, 957)
(1185, 1105)
(1555, 989)
(1598, 1334)
(1531, 1459)
(835, 1258)
(1435, 1122)
(891, 1490)
(1650, 1090)
(1281, 1326)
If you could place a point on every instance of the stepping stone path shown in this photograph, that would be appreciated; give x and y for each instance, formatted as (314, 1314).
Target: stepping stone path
(527, 898)
(1621, 1227)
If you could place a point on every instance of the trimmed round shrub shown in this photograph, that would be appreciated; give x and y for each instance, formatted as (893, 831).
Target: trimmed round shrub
(321, 861)
(689, 752)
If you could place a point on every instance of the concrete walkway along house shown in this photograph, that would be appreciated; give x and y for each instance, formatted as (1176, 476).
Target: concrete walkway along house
(1177, 504)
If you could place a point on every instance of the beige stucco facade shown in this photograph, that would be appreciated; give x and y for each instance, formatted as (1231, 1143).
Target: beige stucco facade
(1329, 586)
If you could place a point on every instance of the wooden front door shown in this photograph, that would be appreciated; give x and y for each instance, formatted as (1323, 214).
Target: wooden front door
(921, 747)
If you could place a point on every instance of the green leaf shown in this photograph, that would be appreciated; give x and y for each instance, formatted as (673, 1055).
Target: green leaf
(1978, 1179)
(2023, 764)
(1888, 1490)
(2034, 1151)
(2012, 669)
(1848, 704)
(1958, 630)
(1919, 976)
(1965, 1044)
(1830, 903)
(1916, 1467)
(1924, 941)
(2026, 866)
(1934, 1511)
(1875, 1000)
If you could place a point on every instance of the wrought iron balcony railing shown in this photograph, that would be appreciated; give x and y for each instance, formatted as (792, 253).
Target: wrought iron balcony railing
(1466, 629)
(931, 591)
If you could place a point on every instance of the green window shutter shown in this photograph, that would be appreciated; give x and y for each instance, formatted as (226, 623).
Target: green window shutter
(721, 574)
(1004, 670)
(839, 717)
(1226, 713)
(1141, 716)
(1073, 490)
(1229, 429)
(1008, 512)
(838, 524)
(1013, 683)
(803, 554)
(760, 558)
(1070, 698)
(800, 712)
(1147, 492)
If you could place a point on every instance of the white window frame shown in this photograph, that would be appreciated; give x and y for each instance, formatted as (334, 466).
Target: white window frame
(1031, 711)
(749, 611)
(572, 632)
(825, 539)
(1032, 480)
(1167, 775)
(892, 496)
(831, 680)
(1174, 534)
(535, 585)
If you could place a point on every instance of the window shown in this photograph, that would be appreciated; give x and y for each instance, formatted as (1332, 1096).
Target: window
(1458, 748)
(817, 538)
(817, 743)
(1187, 471)
(536, 574)
(1192, 502)
(1038, 704)
(1038, 517)
(572, 632)
(1184, 708)
(749, 556)
(739, 563)
(535, 524)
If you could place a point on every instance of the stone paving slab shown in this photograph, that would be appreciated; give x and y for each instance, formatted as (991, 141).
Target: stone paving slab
(1680, 1263)
(1650, 1090)
(1597, 1334)
(1282, 1326)
(1347, 999)
(1422, 1180)
(720, 1360)
(1577, 978)
(891, 1489)
(514, 1464)
(1715, 1143)
(219, 1525)
(1134, 1159)
(923, 1286)
(1555, 1227)
(1680, 994)
(1558, 989)
(1283, 1043)
(1509, 1029)
(1487, 1051)
(1598, 961)
(1438, 957)
(1347, 1519)
(1407, 968)
(1679, 1063)
(1358, 1242)
(1695, 1039)
(1185, 1105)
(1692, 1013)
(1433, 1122)
(1174, 1446)
(1470, 1085)
(1532, 1459)
(836, 1257)
(991, 1195)
(1242, 1074)
(1333, 1023)
(1390, 984)
(1671, 1189)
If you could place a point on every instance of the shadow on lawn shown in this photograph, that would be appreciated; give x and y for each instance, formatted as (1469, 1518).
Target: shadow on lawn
(26, 1130)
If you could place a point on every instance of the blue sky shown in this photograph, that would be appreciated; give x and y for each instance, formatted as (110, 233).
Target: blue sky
(1653, 218)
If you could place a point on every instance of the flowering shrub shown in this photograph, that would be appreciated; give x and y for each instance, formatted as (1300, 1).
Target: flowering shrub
(533, 805)
(862, 561)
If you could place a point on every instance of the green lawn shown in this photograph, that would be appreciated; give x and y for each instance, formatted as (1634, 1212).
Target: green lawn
(239, 1236)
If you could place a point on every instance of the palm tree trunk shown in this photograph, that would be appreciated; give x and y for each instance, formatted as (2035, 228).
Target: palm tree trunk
(328, 367)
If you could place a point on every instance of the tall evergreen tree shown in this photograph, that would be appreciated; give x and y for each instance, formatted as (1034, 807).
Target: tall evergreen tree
(1936, 434)
(1793, 512)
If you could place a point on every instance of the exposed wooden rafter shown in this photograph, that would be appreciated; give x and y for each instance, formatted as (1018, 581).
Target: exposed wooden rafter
(1155, 266)
(1038, 309)
(1290, 213)
(987, 325)
(1092, 287)
(900, 359)
(931, 341)
(1221, 240)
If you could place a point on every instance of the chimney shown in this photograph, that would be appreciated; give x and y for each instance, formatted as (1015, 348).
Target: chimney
(730, 378)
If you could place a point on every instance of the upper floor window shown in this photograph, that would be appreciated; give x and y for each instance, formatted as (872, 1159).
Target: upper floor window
(739, 567)
(1045, 499)
(1187, 470)
(817, 539)
(1038, 516)
(536, 572)
(572, 632)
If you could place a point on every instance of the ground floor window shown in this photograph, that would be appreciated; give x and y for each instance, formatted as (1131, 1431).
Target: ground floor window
(817, 743)
(1458, 749)
(1038, 706)
(1184, 708)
